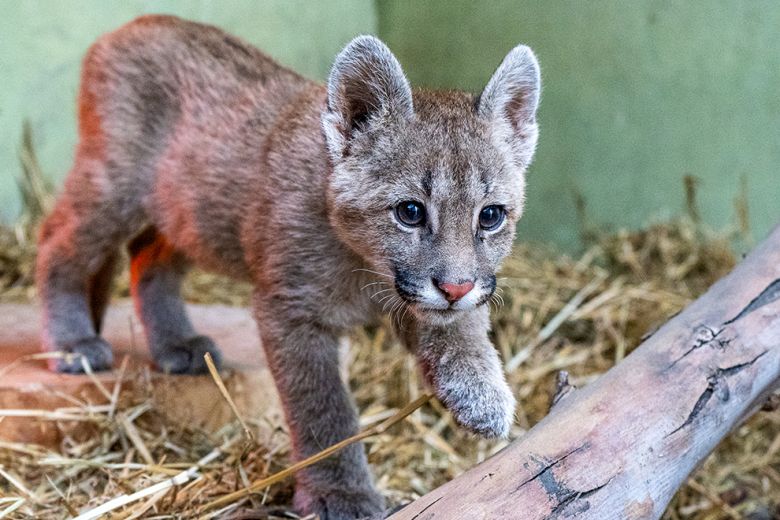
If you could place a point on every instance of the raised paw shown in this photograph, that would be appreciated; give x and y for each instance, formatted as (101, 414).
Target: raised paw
(341, 504)
(485, 407)
(94, 350)
(186, 357)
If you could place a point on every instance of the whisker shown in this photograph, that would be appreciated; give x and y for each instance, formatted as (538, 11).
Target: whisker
(403, 317)
(390, 312)
(497, 300)
(372, 283)
(374, 272)
(390, 302)
(383, 298)
(392, 308)
(380, 292)
(395, 312)
(397, 319)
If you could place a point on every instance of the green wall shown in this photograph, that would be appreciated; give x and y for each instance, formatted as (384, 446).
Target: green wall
(636, 94)
(42, 43)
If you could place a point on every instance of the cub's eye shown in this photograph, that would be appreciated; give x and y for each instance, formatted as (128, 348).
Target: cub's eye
(410, 213)
(491, 217)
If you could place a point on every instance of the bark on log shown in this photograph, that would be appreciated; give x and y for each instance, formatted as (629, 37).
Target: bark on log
(622, 446)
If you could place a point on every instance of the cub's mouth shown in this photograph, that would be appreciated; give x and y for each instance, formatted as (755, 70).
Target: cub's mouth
(443, 299)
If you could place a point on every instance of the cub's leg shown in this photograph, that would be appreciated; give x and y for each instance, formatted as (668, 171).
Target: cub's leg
(100, 290)
(304, 359)
(460, 363)
(75, 265)
(156, 272)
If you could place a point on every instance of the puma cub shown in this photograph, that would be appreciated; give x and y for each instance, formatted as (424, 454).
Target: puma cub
(339, 202)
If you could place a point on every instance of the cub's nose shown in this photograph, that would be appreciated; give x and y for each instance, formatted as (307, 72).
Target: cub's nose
(454, 291)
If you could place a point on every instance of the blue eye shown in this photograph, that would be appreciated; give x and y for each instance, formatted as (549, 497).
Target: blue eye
(410, 213)
(491, 217)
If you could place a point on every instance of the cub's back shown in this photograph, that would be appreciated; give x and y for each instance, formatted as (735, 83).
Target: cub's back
(180, 112)
(158, 73)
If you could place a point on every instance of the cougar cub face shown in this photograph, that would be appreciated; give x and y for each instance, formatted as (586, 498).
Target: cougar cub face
(428, 187)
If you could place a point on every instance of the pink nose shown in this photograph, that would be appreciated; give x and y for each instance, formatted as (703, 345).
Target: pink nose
(455, 291)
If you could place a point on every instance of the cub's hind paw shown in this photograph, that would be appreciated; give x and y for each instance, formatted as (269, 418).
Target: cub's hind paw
(94, 350)
(186, 357)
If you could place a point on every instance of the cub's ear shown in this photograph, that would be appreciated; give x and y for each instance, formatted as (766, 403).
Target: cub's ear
(509, 102)
(366, 81)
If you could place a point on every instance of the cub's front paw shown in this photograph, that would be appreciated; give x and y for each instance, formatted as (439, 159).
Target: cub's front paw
(341, 504)
(186, 357)
(484, 407)
(95, 350)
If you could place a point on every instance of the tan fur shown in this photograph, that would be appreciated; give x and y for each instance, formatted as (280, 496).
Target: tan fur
(197, 148)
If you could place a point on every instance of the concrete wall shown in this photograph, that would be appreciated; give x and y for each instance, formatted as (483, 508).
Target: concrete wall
(42, 43)
(636, 95)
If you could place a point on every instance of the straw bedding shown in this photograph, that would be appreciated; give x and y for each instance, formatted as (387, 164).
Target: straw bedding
(581, 315)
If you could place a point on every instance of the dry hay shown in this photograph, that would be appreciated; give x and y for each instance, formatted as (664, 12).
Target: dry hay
(581, 315)
(602, 304)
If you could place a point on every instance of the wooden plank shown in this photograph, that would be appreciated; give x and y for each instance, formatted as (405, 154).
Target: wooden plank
(192, 400)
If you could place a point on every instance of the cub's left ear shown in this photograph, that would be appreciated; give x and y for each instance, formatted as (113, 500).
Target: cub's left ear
(509, 102)
(366, 84)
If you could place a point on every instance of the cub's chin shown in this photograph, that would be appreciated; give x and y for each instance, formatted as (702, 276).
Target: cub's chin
(436, 317)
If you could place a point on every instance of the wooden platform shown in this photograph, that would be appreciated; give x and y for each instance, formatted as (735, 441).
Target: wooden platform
(29, 385)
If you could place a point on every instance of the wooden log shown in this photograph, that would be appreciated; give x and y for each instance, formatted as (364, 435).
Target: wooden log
(622, 446)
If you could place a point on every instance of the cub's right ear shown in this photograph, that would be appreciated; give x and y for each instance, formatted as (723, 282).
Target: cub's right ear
(510, 100)
(366, 82)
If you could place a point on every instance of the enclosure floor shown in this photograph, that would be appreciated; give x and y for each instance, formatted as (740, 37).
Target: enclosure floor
(27, 384)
